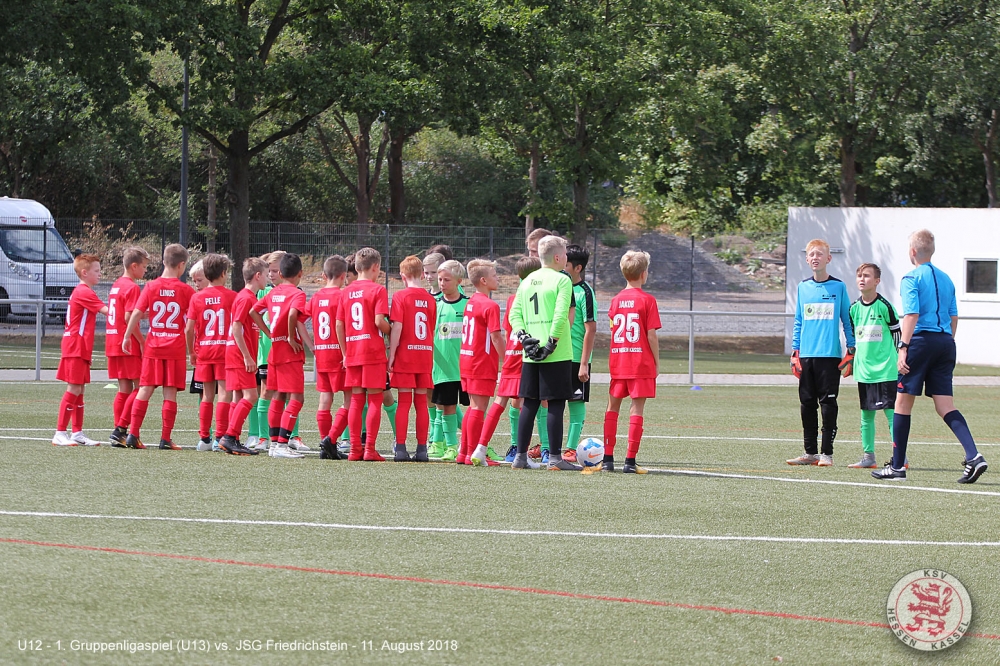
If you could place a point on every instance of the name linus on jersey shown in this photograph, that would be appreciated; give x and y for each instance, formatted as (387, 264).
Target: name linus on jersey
(167, 292)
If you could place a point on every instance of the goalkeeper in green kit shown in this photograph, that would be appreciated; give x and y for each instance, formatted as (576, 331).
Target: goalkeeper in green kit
(876, 332)
(541, 316)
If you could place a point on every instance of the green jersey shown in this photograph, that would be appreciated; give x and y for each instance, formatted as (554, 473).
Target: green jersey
(541, 307)
(876, 329)
(586, 311)
(264, 342)
(448, 338)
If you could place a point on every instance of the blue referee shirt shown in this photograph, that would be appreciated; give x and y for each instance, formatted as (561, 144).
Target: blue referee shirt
(929, 293)
(820, 309)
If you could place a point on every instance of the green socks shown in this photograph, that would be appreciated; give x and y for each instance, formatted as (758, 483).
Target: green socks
(541, 423)
(437, 426)
(263, 431)
(390, 411)
(450, 430)
(868, 428)
(252, 426)
(514, 414)
(577, 413)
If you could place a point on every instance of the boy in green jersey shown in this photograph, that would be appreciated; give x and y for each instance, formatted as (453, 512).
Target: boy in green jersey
(542, 315)
(431, 263)
(447, 377)
(583, 331)
(876, 332)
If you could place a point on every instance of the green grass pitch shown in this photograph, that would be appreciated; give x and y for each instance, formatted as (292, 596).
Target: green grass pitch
(602, 543)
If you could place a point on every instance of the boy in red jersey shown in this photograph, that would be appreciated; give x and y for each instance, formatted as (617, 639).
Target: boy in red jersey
(241, 355)
(77, 351)
(482, 340)
(126, 369)
(164, 300)
(510, 373)
(362, 320)
(208, 318)
(411, 356)
(286, 361)
(634, 361)
(329, 359)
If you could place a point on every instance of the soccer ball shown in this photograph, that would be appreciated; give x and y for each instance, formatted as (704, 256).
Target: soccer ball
(590, 452)
(344, 447)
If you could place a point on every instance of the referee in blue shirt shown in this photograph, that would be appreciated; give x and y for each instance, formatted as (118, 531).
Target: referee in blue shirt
(927, 358)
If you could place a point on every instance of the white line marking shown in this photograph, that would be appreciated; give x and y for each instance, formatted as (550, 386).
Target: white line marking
(890, 485)
(466, 530)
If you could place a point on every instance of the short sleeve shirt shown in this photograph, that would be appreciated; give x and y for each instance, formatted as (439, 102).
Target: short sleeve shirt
(81, 322)
(415, 310)
(211, 311)
(876, 330)
(479, 358)
(360, 302)
(513, 354)
(928, 292)
(323, 311)
(448, 338)
(243, 304)
(165, 300)
(278, 303)
(121, 301)
(586, 311)
(633, 313)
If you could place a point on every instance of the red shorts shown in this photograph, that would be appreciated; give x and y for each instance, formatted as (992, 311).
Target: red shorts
(410, 380)
(210, 372)
(164, 372)
(509, 386)
(367, 377)
(238, 379)
(73, 371)
(287, 377)
(632, 388)
(124, 367)
(479, 386)
(329, 382)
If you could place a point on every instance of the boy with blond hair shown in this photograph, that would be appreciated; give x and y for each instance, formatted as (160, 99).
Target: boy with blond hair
(164, 300)
(362, 320)
(241, 356)
(77, 350)
(125, 369)
(822, 307)
(329, 359)
(876, 329)
(926, 360)
(482, 340)
(208, 320)
(411, 356)
(634, 361)
(447, 375)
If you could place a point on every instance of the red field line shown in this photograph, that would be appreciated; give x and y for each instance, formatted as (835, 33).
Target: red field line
(470, 584)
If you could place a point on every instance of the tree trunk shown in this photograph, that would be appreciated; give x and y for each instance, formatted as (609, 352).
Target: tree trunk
(362, 198)
(238, 200)
(535, 154)
(986, 150)
(397, 197)
(213, 165)
(581, 180)
(848, 171)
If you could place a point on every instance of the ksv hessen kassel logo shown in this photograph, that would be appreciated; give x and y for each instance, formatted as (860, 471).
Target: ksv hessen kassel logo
(929, 609)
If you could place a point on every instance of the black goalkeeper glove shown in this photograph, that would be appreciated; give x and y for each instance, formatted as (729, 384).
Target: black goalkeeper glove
(528, 344)
(545, 351)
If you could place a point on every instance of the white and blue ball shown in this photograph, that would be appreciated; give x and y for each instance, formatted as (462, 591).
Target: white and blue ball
(590, 452)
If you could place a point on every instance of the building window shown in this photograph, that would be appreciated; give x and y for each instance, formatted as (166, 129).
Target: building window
(981, 276)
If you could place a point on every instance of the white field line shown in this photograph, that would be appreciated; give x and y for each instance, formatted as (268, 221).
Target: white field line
(532, 533)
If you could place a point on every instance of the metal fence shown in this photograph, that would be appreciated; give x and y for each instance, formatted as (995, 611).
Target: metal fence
(683, 274)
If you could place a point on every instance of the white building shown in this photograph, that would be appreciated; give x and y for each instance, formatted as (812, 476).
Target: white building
(968, 248)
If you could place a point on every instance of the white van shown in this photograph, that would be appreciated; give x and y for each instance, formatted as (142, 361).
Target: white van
(28, 234)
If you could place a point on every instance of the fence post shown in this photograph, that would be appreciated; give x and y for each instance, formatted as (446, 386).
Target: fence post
(387, 257)
(594, 259)
(691, 317)
(45, 274)
(163, 236)
(39, 308)
(279, 235)
(492, 254)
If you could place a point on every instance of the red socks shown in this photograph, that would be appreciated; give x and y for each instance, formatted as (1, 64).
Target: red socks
(610, 432)
(221, 418)
(354, 422)
(126, 415)
(374, 419)
(78, 414)
(169, 414)
(423, 418)
(139, 408)
(119, 405)
(490, 422)
(403, 416)
(237, 415)
(274, 413)
(67, 407)
(324, 421)
(204, 419)
(474, 422)
(288, 418)
(339, 424)
(634, 435)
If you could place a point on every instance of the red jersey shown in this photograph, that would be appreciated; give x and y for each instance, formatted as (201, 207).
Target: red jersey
(513, 354)
(322, 307)
(81, 321)
(165, 300)
(242, 305)
(633, 314)
(416, 310)
(479, 358)
(278, 302)
(121, 301)
(359, 304)
(211, 311)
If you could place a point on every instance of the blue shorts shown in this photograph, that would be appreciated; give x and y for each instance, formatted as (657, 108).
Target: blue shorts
(931, 357)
